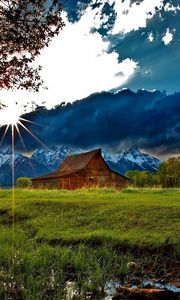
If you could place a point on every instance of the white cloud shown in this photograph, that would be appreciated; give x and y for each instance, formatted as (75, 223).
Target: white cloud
(151, 37)
(168, 37)
(136, 15)
(148, 72)
(171, 7)
(77, 63)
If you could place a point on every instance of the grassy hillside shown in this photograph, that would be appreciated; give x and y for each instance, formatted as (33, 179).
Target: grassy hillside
(85, 234)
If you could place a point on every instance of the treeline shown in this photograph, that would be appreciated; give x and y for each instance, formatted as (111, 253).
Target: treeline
(168, 175)
(143, 178)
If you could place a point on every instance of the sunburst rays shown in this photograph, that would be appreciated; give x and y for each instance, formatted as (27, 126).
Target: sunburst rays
(14, 127)
(31, 133)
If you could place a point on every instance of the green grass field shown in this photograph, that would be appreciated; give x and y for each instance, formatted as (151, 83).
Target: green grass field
(89, 236)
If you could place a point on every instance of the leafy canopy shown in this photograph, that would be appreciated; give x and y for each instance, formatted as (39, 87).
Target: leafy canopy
(26, 27)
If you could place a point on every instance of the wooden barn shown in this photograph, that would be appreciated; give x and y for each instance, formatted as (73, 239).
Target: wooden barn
(83, 170)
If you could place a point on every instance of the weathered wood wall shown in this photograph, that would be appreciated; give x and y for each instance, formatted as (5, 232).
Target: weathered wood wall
(96, 174)
(73, 181)
(46, 184)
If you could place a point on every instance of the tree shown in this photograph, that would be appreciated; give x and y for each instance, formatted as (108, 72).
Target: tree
(169, 172)
(133, 176)
(26, 27)
(155, 180)
(23, 182)
(142, 179)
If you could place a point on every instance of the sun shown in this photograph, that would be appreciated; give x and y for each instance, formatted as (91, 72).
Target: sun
(9, 115)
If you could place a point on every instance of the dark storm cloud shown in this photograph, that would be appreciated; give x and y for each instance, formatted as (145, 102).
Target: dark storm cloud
(149, 120)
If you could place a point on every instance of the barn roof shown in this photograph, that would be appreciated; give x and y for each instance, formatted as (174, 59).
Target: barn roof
(74, 163)
(77, 162)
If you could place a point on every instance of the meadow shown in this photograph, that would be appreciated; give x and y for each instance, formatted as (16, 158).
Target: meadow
(87, 236)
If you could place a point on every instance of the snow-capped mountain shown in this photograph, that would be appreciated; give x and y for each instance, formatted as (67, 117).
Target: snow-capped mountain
(52, 157)
(41, 162)
(23, 166)
(44, 161)
(110, 156)
(134, 159)
(6, 156)
(107, 156)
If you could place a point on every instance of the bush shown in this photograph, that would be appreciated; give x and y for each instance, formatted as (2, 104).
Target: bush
(23, 182)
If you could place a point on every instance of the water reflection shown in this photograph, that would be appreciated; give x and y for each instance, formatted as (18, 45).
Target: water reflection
(71, 292)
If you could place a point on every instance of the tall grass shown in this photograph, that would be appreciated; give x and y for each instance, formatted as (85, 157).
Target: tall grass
(87, 236)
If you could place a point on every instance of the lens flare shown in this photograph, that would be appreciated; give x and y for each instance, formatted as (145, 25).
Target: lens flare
(9, 115)
(10, 119)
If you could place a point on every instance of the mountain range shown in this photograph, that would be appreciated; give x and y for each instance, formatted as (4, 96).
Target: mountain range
(147, 119)
(46, 160)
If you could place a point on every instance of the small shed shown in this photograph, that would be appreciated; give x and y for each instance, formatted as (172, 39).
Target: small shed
(83, 170)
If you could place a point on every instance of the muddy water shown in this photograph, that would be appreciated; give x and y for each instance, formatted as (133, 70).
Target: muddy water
(168, 286)
(111, 287)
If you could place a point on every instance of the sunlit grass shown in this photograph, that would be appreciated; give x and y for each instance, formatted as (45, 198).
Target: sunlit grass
(142, 217)
(86, 235)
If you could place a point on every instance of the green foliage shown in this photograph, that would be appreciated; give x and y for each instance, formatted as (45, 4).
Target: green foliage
(144, 216)
(23, 182)
(167, 176)
(143, 178)
(169, 172)
(86, 236)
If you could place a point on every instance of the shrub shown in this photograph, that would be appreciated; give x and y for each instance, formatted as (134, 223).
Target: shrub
(23, 182)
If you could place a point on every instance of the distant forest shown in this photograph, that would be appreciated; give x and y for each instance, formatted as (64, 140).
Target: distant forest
(168, 175)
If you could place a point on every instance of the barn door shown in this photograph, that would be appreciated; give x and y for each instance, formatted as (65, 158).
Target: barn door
(64, 183)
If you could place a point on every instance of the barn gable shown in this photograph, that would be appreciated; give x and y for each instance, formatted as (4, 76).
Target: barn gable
(82, 170)
(76, 163)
